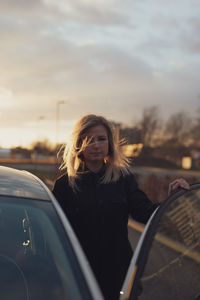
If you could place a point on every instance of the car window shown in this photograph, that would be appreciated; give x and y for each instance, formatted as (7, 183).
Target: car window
(36, 258)
(173, 267)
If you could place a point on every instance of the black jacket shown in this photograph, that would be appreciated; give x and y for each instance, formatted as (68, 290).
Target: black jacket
(99, 215)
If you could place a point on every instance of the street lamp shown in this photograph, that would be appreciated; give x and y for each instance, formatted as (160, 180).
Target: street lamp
(40, 118)
(58, 103)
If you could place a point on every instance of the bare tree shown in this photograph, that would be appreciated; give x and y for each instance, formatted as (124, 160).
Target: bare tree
(177, 128)
(21, 151)
(131, 134)
(195, 130)
(43, 147)
(149, 125)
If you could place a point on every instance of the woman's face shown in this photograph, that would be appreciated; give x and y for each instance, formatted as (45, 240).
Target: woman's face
(97, 149)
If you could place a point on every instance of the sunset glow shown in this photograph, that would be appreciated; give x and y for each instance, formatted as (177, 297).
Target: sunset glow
(106, 57)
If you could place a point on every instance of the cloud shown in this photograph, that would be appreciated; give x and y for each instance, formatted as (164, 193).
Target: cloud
(189, 38)
(19, 6)
(101, 13)
(172, 28)
(6, 98)
(109, 57)
(92, 12)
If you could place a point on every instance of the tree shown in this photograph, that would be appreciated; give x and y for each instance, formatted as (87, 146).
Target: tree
(21, 152)
(177, 129)
(195, 131)
(149, 125)
(131, 134)
(43, 147)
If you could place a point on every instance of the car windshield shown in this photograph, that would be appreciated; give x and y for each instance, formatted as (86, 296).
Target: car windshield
(36, 258)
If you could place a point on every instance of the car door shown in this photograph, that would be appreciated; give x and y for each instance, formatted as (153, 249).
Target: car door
(166, 262)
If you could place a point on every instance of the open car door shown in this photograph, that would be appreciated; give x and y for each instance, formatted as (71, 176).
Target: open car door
(166, 262)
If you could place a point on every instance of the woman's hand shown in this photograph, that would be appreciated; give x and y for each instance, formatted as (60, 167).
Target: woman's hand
(179, 182)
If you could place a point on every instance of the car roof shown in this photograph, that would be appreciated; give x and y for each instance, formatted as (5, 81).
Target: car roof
(20, 183)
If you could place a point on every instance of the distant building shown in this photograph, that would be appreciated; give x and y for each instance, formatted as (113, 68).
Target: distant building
(5, 153)
(38, 156)
(132, 150)
(186, 162)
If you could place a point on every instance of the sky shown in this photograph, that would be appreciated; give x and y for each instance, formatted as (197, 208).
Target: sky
(109, 57)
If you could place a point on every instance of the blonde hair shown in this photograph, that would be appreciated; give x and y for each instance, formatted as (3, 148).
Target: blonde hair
(116, 162)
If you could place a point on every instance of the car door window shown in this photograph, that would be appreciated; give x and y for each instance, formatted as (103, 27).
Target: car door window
(36, 258)
(173, 267)
(166, 261)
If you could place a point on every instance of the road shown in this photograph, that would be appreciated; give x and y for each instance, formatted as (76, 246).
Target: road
(145, 171)
(51, 166)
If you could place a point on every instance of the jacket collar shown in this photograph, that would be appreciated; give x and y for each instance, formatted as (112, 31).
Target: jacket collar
(87, 173)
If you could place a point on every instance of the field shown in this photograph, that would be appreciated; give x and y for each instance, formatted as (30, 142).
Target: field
(153, 181)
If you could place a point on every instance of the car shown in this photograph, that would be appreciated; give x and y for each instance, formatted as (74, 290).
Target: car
(166, 262)
(41, 258)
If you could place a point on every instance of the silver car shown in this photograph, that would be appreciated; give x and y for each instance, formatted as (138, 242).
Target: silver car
(40, 256)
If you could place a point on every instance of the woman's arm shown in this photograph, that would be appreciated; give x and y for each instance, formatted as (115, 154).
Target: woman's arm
(140, 206)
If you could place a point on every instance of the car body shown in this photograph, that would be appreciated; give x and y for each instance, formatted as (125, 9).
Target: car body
(41, 258)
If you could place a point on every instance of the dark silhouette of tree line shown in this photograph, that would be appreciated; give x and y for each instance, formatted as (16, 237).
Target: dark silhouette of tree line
(164, 142)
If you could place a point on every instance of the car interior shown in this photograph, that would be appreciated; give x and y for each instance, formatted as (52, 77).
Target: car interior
(32, 256)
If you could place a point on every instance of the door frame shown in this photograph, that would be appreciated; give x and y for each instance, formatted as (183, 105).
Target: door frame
(139, 259)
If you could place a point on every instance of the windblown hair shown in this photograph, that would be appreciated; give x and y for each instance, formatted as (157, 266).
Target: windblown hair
(73, 161)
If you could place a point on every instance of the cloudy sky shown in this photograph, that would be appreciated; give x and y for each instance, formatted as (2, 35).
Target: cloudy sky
(109, 57)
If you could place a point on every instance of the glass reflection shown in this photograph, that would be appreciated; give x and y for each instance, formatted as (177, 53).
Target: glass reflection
(36, 261)
(173, 267)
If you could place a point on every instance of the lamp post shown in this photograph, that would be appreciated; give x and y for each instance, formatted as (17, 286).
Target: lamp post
(40, 118)
(58, 103)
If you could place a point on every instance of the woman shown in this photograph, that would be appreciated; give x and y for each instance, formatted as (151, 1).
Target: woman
(98, 193)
